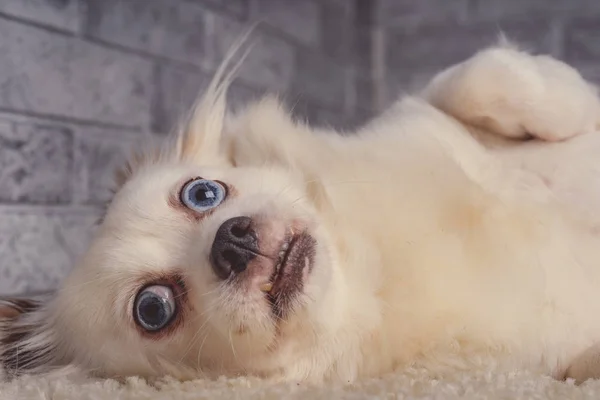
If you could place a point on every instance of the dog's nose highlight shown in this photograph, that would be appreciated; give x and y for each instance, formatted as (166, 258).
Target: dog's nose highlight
(235, 245)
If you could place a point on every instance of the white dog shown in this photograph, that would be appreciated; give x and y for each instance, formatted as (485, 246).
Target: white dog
(457, 229)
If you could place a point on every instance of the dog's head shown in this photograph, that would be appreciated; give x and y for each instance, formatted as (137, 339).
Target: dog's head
(203, 264)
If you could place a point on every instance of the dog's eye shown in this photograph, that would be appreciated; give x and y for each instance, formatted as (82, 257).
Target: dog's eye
(201, 195)
(154, 307)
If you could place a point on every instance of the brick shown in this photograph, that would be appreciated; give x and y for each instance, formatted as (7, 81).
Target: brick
(337, 29)
(409, 12)
(179, 88)
(270, 63)
(176, 91)
(321, 79)
(173, 29)
(491, 10)
(440, 46)
(35, 163)
(344, 38)
(298, 18)
(583, 40)
(97, 157)
(48, 73)
(365, 92)
(361, 49)
(61, 14)
(239, 8)
(38, 249)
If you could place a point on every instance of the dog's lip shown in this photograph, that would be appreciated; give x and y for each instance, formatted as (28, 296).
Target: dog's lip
(295, 255)
(286, 248)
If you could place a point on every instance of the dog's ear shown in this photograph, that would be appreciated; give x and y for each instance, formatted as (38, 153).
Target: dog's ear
(8, 311)
(12, 308)
(27, 343)
(197, 137)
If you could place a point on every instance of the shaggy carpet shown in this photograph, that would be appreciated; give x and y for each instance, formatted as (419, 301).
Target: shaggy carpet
(407, 385)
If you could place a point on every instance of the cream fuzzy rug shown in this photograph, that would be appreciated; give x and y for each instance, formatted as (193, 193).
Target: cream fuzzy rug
(408, 385)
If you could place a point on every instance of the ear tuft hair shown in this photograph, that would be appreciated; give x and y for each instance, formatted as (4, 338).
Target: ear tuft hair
(198, 134)
(27, 343)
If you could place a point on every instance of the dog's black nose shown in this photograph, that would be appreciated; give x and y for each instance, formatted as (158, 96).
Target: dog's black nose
(235, 245)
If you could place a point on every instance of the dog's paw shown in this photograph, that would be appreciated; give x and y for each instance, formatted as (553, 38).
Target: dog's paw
(586, 366)
(517, 95)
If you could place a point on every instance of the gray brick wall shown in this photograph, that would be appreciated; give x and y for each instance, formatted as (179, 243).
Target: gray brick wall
(81, 80)
(414, 39)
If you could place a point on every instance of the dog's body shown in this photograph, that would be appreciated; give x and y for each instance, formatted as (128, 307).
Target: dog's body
(433, 236)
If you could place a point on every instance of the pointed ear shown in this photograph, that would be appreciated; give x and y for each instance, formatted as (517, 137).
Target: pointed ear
(11, 308)
(196, 139)
(27, 343)
(199, 136)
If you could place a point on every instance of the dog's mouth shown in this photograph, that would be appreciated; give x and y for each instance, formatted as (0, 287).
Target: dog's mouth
(294, 264)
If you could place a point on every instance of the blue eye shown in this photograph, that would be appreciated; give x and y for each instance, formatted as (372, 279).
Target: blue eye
(202, 195)
(154, 307)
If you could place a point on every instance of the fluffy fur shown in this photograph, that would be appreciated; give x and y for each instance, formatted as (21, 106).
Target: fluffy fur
(457, 229)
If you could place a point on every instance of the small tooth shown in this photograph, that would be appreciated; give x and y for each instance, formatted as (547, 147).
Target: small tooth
(285, 246)
(266, 287)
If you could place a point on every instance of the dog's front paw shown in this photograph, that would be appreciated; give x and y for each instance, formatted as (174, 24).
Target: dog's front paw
(514, 94)
(586, 366)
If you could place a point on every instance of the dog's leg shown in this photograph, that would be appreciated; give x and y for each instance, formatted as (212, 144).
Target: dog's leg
(517, 95)
(586, 366)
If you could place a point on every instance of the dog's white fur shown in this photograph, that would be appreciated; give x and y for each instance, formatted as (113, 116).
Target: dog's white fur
(444, 240)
